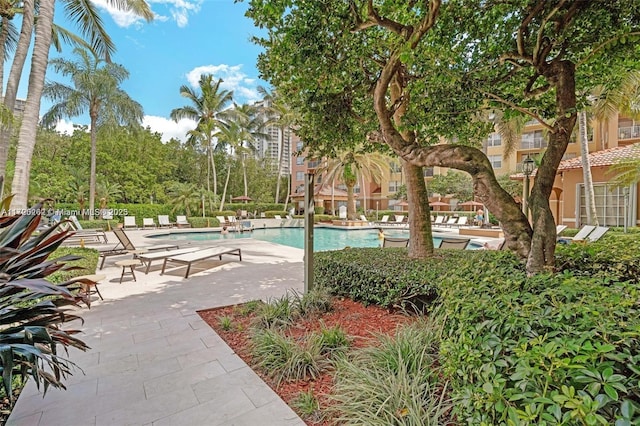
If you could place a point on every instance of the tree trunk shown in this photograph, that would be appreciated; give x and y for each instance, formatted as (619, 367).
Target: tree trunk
(226, 183)
(214, 172)
(92, 170)
(4, 34)
(589, 196)
(280, 160)
(543, 243)
(28, 129)
(421, 244)
(19, 58)
(351, 201)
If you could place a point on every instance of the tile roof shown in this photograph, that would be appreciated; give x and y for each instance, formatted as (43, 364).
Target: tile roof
(606, 157)
(602, 158)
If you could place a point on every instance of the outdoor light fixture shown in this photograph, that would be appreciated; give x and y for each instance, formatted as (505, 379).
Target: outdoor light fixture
(528, 165)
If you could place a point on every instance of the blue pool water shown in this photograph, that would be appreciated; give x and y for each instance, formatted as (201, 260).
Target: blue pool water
(323, 238)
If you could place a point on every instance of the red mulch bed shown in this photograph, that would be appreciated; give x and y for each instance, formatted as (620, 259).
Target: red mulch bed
(358, 321)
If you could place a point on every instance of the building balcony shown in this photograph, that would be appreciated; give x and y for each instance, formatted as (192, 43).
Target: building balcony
(630, 132)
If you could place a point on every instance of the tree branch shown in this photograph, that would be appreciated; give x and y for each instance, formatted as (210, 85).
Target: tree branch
(523, 28)
(541, 37)
(531, 93)
(602, 46)
(519, 108)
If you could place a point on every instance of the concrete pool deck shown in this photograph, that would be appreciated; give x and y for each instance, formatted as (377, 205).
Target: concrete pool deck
(154, 361)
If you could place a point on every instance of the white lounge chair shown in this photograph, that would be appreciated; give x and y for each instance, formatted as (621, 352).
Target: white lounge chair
(198, 256)
(147, 258)
(580, 236)
(384, 220)
(163, 221)
(462, 221)
(148, 222)
(439, 220)
(597, 233)
(87, 235)
(182, 222)
(130, 222)
(452, 221)
(560, 228)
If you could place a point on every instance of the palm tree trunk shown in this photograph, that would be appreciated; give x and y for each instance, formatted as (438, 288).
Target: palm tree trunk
(214, 173)
(244, 176)
(92, 170)
(226, 183)
(351, 201)
(19, 58)
(280, 160)
(589, 196)
(29, 127)
(4, 34)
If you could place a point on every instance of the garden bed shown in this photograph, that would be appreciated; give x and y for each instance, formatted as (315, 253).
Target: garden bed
(361, 323)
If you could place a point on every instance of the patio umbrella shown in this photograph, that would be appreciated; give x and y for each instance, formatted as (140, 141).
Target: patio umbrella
(242, 198)
(402, 204)
(438, 204)
(471, 204)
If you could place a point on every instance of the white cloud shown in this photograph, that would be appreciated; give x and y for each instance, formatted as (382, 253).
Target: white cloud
(244, 87)
(169, 128)
(65, 127)
(179, 10)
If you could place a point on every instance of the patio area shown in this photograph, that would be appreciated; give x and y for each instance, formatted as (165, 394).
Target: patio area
(154, 361)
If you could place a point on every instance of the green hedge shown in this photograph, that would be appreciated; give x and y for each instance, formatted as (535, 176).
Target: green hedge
(548, 349)
(616, 257)
(203, 222)
(85, 266)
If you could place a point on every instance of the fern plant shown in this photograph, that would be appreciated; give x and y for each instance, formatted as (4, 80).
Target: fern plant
(33, 310)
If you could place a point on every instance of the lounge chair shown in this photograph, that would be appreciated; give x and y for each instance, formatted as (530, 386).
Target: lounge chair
(395, 242)
(459, 244)
(451, 222)
(148, 222)
(125, 246)
(222, 220)
(462, 221)
(130, 222)
(147, 258)
(163, 221)
(364, 219)
(439, 220)
(384, 220)
(182, 222)
(580, 236)
(198, 256)
(86, 234)
(597, 233)
(560, 228)
(399, 219)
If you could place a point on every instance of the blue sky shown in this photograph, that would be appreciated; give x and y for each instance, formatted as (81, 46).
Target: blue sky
(188, 38)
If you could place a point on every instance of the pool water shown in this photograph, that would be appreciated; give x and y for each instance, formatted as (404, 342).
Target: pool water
(323, 238)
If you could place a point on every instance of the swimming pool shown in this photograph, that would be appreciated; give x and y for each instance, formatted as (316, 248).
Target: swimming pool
(323, 238)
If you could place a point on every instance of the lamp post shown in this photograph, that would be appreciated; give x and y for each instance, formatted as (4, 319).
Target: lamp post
(377, 206)
(528, 165)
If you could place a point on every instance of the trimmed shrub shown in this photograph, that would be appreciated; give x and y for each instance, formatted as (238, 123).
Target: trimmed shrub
(271, 213)
(388, 278)
(613, 257)
(203, 222)
(86, 263)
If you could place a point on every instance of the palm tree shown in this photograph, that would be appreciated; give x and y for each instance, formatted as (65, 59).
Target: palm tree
(183, 197)
(208, 109)
(281, 116)
(237, 137)
(96, 89)
(87, 17)
(349, 167)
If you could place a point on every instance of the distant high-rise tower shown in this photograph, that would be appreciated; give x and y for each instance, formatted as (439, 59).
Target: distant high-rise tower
(268, 146)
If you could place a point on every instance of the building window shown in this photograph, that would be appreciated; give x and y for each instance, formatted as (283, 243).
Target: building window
(395, 167)
(533, 140)
(427, 171)
(609, 204)
(356, 189)
(313, 164)
(299, 146)
(494, 139)
(393, 186)
(299, 175)
(299, 161)
(495, 160)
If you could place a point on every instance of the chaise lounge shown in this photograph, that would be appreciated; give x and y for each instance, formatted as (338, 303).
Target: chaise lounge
(147, 258)
(126, 246)
(198, 256)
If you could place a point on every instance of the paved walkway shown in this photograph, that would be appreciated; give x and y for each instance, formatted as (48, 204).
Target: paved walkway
(153, 361)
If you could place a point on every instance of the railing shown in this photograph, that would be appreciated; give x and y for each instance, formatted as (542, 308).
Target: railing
(630, 132)
(533, 144)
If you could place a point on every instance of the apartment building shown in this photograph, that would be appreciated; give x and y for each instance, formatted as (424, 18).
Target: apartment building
(608, 142)
(268, 145)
